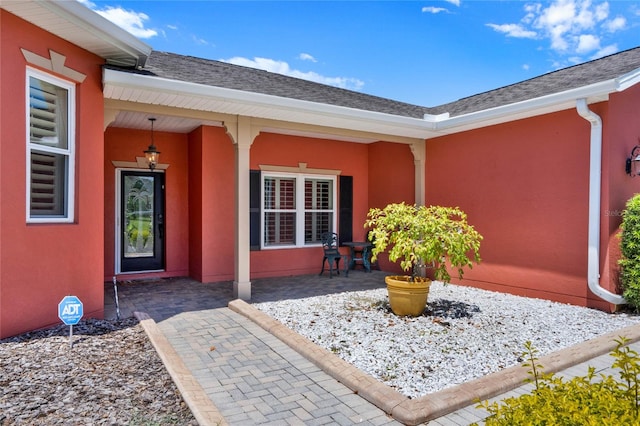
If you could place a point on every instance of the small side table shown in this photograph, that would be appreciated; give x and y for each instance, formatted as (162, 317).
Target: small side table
(366, 247)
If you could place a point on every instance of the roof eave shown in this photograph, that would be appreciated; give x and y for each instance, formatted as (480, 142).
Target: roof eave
(130, 50)
(593, 93)
(142, 88)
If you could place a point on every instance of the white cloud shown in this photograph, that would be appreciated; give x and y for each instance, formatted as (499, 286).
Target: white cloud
(531, 12)
(128, 20)
(525, 67)
(605, 51)
(602, 11)
(307, 57)
(282, 67)
(200, 41)
(434, 10)
(587, 43)
(456, 2)
(573, 28)
(616, 24)
(565, 23)
(513, 30)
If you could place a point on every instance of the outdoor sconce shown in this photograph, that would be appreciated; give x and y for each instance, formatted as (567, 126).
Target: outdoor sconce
(152, 153)
(632, 166)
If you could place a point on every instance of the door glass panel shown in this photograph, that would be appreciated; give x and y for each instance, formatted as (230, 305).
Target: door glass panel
(138, 216)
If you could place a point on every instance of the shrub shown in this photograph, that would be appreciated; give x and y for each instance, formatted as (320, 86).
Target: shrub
(630, 248)
(586, 400)
(427, 235)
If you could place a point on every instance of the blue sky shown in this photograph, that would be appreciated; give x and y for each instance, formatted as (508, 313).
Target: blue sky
(422, 52)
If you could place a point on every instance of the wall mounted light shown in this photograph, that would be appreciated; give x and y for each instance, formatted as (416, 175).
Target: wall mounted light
(152, 153)
(632, 166)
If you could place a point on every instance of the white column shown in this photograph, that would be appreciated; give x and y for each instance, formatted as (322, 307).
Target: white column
(110, 115)
(242, 135)
(419, 153)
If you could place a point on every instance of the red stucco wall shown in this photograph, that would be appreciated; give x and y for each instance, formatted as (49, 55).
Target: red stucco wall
(42, 263)
(391, 174)
(391, 180)
(621, 133)
(126, 145)
(524, 185)
(211, 204)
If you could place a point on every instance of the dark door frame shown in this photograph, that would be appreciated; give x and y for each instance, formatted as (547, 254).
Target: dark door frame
(155, 261)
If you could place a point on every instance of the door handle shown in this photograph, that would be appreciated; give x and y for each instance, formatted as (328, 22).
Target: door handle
(160, 221)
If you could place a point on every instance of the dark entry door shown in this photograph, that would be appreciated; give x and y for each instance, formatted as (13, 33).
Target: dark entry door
(142, 221)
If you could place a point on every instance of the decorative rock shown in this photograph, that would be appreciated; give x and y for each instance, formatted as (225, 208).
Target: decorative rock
(465, 333)
(112, 375)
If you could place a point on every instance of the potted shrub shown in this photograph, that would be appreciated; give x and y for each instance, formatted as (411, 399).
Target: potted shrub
(421, 235)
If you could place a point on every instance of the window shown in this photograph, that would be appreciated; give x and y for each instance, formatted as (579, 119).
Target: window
(297, 209)
(50, 148)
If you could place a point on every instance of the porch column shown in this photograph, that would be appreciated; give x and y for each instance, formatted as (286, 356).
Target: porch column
(242, 135)
(419, 153)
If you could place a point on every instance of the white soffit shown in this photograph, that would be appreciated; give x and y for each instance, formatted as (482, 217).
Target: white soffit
(318, 135)
(83, 27)
(163, 123)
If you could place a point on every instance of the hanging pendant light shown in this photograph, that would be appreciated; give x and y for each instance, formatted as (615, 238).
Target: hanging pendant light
(152, 154)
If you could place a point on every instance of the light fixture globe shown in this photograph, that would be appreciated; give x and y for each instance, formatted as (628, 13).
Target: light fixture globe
(152, 154)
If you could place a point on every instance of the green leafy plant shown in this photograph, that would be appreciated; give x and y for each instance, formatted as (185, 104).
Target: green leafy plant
(630, 248)
(583, 400)
(424, 235)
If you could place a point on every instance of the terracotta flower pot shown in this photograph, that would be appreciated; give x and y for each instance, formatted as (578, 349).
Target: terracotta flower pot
(407, 298)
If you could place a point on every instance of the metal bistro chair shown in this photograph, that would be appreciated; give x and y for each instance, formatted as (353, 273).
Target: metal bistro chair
(332, 255)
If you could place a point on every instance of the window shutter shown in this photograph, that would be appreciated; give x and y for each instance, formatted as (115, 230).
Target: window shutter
(254, 209)
(45, 188)
(346, 209)
(47, 114)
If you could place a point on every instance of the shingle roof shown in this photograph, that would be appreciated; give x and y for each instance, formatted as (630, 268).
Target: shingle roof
(222, 74)
(606, 68)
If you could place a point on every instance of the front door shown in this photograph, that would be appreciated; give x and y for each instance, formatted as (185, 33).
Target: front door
(141, 221)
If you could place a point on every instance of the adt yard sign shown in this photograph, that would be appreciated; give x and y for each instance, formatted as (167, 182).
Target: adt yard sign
(70, 310)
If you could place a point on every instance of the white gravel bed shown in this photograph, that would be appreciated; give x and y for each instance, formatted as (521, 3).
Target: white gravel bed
(464, 334)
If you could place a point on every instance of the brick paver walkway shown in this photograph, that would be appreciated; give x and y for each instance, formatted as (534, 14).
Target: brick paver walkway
(232, 369)
(249, 375)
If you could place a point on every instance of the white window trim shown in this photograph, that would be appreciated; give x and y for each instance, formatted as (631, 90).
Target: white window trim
(300, 178)
(70, 151)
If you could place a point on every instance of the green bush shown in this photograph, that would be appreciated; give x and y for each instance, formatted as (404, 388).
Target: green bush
(630, 248)
(587, 400)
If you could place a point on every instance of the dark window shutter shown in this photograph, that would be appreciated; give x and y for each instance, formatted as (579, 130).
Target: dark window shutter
(345, 219)
(254, 209)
